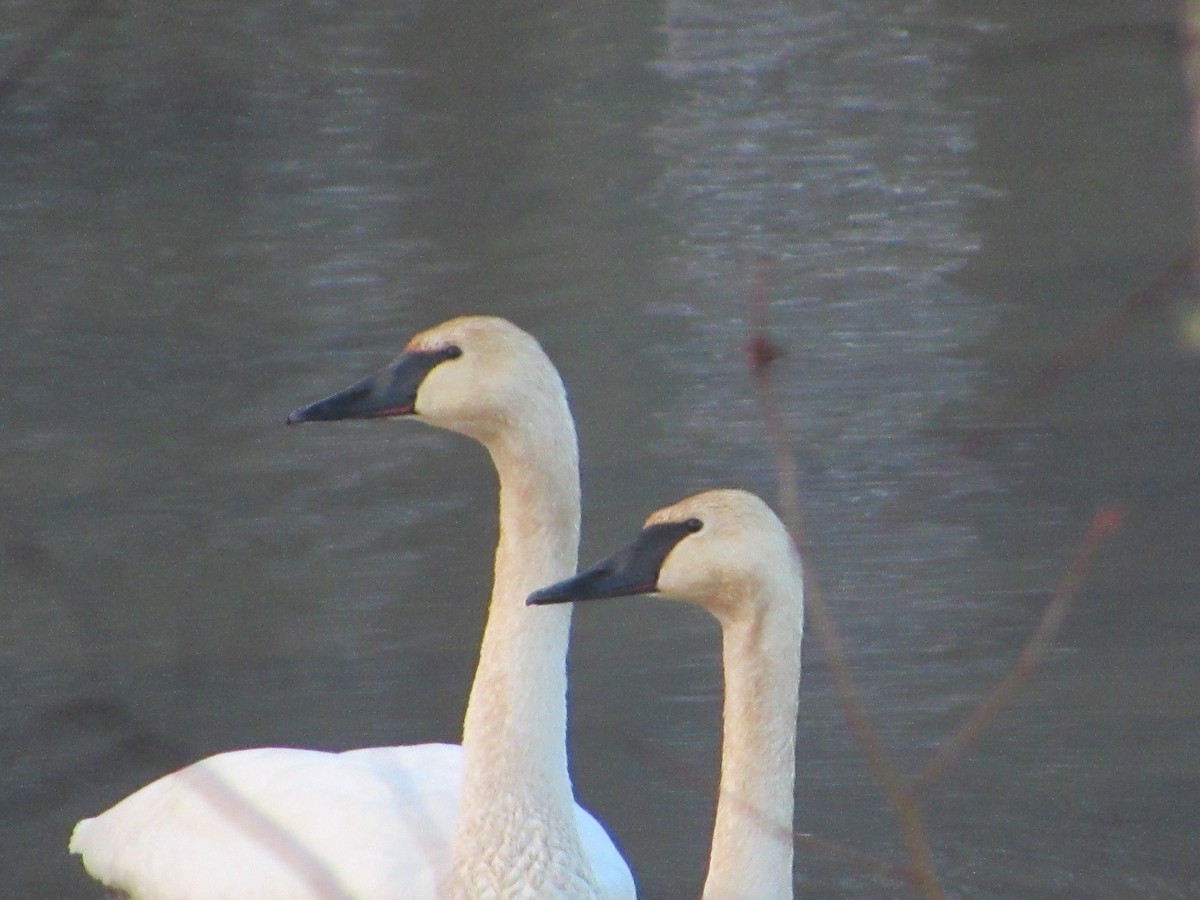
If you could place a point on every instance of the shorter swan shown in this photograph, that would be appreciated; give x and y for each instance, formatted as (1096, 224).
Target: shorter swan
(726, 551)
(493, 818)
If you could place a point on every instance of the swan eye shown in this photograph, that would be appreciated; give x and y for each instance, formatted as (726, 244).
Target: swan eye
(453, 351)
(693, 525)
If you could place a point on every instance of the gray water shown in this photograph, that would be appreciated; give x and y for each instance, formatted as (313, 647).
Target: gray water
(211, 213)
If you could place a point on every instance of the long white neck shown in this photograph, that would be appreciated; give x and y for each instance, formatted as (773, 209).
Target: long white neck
(751, 855)
(517, 809)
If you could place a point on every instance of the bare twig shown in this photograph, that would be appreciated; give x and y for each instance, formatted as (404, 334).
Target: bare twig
(1189, 27)
(132, 739)
(28, 62)
(761, 352)
(1104, 523)
(868, 862)
(1067, 359)
(1128, 313)
(243, 815)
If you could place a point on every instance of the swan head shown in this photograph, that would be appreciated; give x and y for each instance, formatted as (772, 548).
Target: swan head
(476, 375)
(716, 549)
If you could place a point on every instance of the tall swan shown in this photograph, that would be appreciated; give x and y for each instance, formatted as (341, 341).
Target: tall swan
(494, 818)
(726, 551)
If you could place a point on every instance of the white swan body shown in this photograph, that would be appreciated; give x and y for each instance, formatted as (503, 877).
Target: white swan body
(282, 822)
(726, 551)
(494, 818)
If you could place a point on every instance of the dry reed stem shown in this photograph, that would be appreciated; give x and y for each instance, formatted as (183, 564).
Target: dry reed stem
(1189, 28)
(761, 352)
(1101, 336)
(647, 752)
(43, 47)
(1102, 527)
(244, 816)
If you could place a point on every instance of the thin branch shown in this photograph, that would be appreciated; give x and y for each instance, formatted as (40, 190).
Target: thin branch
(1102, 335)
(133, 739)
(761, 353)
(1189, 27)
(1102, 527)
(243, 815)
(22, 68)
(869, 862)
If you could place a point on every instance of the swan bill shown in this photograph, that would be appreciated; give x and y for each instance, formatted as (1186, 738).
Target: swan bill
(391, 392)
(633, 570)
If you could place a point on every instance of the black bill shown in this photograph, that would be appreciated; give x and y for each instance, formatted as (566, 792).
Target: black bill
(633, 570)
(392, 392)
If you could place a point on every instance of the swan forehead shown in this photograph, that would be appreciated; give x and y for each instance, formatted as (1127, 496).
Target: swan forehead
(476, 333)
(725, 509)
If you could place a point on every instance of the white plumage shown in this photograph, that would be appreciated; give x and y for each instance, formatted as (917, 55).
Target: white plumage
(492, 818)
(280, 822)
(727, 552)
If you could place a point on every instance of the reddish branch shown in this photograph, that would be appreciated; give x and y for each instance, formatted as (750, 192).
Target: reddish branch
(867, 862)
(261, 829)
(1103, 525)
(27, 63)
(761, 352)
(1101, 336)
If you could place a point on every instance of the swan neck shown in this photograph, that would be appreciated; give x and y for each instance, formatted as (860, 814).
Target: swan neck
(516, 781)
(752, 844)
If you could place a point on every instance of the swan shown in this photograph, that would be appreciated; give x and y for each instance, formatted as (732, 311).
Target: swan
(492, 818)
(726, 551)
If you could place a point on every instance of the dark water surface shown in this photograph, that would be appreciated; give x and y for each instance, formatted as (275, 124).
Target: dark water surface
(213, 212)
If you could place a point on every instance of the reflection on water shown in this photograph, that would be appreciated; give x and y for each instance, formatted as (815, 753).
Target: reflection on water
(212, 215)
